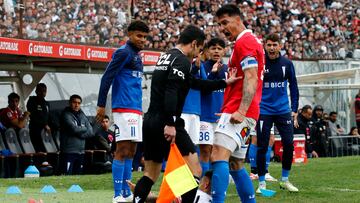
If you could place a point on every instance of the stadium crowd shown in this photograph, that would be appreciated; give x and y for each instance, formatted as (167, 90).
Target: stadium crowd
(323, 29)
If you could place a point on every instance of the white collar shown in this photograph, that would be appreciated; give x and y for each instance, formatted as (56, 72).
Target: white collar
(242, 33)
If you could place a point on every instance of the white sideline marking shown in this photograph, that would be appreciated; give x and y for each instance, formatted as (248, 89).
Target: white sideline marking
(342, 189)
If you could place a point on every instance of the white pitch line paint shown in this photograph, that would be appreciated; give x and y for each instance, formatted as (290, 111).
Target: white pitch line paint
(342, 189)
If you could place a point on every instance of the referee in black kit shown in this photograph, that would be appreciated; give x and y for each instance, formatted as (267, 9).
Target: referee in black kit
(162, 125)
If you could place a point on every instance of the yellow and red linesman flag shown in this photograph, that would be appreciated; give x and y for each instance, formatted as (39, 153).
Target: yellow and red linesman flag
(178, 178)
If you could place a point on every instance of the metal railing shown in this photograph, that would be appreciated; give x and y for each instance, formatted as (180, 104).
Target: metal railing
(344, 145)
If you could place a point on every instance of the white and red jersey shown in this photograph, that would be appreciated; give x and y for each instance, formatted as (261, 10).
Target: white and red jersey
(248, 53)
(7, 115)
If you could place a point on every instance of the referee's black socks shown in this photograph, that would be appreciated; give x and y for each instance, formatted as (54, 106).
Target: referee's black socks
(190, 196)
(142, 189)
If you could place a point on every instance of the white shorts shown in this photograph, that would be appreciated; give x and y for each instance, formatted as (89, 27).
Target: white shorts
(192, 126)
(130, 126)
(207, 130)
(234, 136)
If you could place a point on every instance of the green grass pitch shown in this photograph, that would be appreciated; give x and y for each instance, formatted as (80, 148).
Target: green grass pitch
(320, 180)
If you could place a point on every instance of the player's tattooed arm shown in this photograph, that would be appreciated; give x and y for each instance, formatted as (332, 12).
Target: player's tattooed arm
(249, 89)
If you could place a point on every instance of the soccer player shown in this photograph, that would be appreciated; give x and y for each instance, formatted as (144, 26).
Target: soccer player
(275, 109)
(124, 73)
(253, 153)
(241, 106)
(211, 102)
(163, 125)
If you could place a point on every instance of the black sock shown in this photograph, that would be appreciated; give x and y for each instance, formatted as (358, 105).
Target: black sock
(254, 170)
(190, 196)
(266, 171)
(142, 189)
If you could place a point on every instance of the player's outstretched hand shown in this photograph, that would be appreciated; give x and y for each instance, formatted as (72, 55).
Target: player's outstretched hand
(236, 117)
(170, 133)
(232, 77)
(100, 114)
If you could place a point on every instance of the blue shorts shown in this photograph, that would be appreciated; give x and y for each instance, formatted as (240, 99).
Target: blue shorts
(283, 123)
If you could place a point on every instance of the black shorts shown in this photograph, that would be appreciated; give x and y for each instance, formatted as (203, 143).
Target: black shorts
(156, 147)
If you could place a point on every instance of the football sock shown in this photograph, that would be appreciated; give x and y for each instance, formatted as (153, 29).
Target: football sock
(285, 175)
(252, 155)
(142, 189)
(117, 173)
(268, 154)
(127, 176)
(205, 167)
(261, 178)
(244, 186)
(220, 181)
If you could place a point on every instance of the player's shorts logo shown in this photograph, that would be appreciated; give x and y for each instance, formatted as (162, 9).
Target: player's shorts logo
(244, 134)
(132, 121)
(203, 127)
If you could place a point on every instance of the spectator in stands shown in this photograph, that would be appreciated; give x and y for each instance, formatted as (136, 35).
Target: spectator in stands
(317, 30)
(354, 131)
(317, 113)
(326, 117)
(319, 132)
(103, 139)
(12, 116)
(305, 123)
(335, 128)
(39, 116)
(357, 110)
(354, 142)
(74, 129)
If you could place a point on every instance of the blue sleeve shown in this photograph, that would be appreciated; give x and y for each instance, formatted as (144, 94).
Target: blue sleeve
(294, 91)
(118, 60)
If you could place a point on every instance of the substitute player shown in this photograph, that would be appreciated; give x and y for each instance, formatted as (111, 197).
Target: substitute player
(212, 69)
(275, 109)
(241, 105)
(163, 125)
(124, 74)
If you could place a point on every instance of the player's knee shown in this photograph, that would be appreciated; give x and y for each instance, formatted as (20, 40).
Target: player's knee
(271, 140)
(205, 151)
(217, 154)
(236, 164)
(254, 140)
(122, 151)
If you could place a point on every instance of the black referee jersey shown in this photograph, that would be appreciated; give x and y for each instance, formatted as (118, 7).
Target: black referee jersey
(171, 82)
